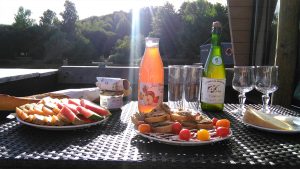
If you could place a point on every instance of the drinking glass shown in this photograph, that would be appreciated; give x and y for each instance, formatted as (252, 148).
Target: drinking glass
(266, 82)
(192, 81)
(243, 81)
(175, 86)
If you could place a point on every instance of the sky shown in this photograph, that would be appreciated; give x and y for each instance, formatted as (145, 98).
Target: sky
(85, 8)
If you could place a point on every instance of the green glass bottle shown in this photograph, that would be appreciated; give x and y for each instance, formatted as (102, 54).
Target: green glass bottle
(214, 75)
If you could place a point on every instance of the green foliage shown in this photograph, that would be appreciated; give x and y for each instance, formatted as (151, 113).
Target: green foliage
(69, 17)
(22, 19)
(128, 50)
(109, 37)
(7, 41)
(166, 26)
(49, 18)
(55, 47)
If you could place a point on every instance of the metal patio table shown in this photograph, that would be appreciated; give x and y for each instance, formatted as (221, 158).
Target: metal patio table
(115, 144)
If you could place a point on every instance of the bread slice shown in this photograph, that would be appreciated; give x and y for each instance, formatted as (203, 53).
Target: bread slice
(162, 127)
(189, 124)
(9, 103)
(204, 122)
(156, 119)
(207, 126)
(182, 116)
(261, 119)
(156, 115)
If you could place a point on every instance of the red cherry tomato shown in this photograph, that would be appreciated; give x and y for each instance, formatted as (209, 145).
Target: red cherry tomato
(222, 131)
(176, 127)
(185, 134)
(214, 121)
(223, 123)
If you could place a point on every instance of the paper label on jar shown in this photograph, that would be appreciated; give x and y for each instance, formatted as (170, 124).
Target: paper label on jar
(111, 102)
(113, 84)
(150, 94)
(213, 90)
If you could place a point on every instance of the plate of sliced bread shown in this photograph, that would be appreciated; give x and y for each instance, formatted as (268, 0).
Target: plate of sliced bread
(271, 122)
(173, 139)
(160, 122)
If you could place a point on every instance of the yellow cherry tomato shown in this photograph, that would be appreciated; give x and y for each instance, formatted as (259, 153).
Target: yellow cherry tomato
(203, 135)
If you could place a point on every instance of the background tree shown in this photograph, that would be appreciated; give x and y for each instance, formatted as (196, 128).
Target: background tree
(22, 19)
(196, 19)
(82, 41)
(166, 25)
(48, 19)
(146, 19)
(69, 17)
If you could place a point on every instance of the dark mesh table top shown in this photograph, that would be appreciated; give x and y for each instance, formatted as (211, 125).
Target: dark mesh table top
(114, 144)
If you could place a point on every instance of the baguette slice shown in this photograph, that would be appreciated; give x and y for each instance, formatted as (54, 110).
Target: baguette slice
(182, 116)
(9, 103)
(162, 127)
(155, 119)
(258, 118)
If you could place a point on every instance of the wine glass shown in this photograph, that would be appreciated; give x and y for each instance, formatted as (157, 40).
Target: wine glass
(266, 82)
(243, 81)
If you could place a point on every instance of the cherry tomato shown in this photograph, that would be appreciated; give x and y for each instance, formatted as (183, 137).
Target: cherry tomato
(223, 123)
(144, 128)
(214, 121)
(185, 134)
(140, 122)
(222, 131)
(203, 135)
(176, 127)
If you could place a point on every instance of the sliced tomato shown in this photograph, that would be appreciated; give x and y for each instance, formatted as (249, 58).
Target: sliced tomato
(95, 108)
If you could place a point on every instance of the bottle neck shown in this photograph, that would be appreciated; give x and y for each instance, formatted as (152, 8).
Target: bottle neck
(152, 42)
(215, 36)
(215, 39)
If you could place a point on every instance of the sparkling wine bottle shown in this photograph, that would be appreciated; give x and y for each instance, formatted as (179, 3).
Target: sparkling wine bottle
(214, 76)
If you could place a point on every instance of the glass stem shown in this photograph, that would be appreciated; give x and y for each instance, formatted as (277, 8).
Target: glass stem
(265, 100)
(242, 99)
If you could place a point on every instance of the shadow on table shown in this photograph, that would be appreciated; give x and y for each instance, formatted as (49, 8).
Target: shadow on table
(28, 142)
(151, 149)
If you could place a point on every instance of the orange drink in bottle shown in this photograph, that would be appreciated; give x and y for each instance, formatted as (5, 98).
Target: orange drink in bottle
(151, 77)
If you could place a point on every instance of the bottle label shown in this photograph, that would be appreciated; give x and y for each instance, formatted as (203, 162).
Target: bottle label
(213, 90)
(217, 60)
(150, 94)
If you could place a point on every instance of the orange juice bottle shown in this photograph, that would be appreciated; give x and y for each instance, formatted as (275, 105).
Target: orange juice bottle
(151, 77)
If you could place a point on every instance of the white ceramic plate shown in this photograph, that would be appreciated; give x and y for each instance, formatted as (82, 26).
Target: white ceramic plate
(173, 139)
(70, 127)
(293, 121)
